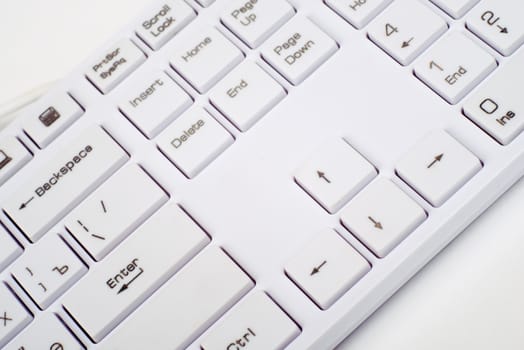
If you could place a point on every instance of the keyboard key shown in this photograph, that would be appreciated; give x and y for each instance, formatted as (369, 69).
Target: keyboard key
(326, 268)
(246, 94)
(115, 65)
(189, 303)
(63, 181)
(256, 323)
(254, 20)
(381, 216)
(13, 316)
(437, 167)
(114, 210)
(53, 120)
(499, 23)
(13, 156)
(334, 173)
(455, 8)
(152, 100)
(163, 21)
(132, 272)
(405, 37)
(46, 332)
(454, 66)
(498, 107)
(205, 3)
(203, 56)
(47, 270)
(298, 49)
(193, 141)
(358, 12)
(9, 249)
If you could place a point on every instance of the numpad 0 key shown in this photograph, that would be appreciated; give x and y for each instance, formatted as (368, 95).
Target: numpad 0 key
(254, 174)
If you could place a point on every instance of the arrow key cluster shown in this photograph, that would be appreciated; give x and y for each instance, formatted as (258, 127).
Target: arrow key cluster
(405, 29)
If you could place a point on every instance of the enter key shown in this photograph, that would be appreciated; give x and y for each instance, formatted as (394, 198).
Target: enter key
(131, 273)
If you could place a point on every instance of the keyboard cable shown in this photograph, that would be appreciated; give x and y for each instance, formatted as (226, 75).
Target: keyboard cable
(8, 110)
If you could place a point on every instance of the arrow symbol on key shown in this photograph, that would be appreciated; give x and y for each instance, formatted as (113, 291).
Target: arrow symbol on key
(322, 176)
(126, 285)
(503, 30)
(436, 160)
(407, 43)
(317, 269)
(376, 223)
(25, 204)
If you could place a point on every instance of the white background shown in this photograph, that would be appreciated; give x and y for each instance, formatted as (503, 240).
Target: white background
(469, 297)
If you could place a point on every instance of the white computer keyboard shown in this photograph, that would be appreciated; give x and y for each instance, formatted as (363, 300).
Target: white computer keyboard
(254, 174)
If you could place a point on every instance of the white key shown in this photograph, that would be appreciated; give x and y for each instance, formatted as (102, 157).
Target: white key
(115, 65)
(326, 268)
(405, 37)
(9, 249)
(499, 23)
(63, 181)
(152, 100)
(498, 107)
(205, 3)
(46, 332)
(114, 210)
(163, 21)
(47, 270)
(455, 8)
(298, 49)
(358, 12)
(381, 216)
(13, 316)
(187, 305)
(246, 94)
(202, 55)
(53, 120)
(334, 173)
(256, 323)
(194, 140)
(454, 66)
(132, 272)
(253, 21)
(13, 156)
(437, 167)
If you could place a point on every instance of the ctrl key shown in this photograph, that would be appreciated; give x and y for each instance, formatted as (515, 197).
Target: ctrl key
(257, 323)
(13, 316)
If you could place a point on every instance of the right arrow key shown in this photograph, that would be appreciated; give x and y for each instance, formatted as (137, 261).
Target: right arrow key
(437, 167)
